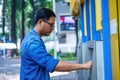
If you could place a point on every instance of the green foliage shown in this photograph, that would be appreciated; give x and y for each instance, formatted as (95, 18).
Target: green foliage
(51, 52)
(30, 8)
(63, 56)
(0, 34)
(8, 11)
(68, 56)
(6, 36)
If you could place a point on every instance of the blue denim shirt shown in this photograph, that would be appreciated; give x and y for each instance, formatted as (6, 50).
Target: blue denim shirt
(36, 63)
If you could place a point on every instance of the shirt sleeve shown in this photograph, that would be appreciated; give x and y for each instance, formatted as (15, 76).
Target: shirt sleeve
(38, 53)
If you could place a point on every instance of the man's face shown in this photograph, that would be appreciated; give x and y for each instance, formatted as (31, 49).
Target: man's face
(48, 26)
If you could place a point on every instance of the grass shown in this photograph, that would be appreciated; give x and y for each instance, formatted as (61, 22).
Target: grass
(64, 56)
(68, 58)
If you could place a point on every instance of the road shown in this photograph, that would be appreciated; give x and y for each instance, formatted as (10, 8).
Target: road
(10, 68)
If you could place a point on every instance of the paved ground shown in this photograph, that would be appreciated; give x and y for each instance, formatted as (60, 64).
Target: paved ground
(63, 75)
(10, 68)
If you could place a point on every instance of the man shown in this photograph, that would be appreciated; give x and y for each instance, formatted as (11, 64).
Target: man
(36, 62)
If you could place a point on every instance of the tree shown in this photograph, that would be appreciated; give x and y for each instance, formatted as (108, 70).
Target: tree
(13, 27)
(3, 18)
(19, 18)
(37, 4)
(23, 27)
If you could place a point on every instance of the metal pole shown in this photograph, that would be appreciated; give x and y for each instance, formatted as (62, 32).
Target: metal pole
(54, 33)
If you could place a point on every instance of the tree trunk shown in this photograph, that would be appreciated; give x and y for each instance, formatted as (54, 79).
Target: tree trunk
(3, 18)
(13, 27)
(33, 12)
(23, 16)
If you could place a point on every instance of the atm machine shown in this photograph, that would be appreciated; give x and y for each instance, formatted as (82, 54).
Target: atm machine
(107, 19)
(91, 50)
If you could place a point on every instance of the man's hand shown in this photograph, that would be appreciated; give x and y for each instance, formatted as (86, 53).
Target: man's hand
(87, 65)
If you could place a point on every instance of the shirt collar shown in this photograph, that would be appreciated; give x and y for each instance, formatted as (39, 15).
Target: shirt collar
(35, 33)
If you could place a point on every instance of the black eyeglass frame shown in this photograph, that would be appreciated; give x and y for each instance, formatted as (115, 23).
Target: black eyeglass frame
(52, 26)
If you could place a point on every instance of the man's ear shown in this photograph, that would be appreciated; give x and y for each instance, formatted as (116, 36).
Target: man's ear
(39, 21)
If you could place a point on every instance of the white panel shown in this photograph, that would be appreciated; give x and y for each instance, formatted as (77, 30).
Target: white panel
(100, 61)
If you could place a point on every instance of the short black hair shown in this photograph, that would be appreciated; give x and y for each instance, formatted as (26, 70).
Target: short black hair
(43, 13)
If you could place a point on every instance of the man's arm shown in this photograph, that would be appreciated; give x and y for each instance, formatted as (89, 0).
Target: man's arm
(65, 66)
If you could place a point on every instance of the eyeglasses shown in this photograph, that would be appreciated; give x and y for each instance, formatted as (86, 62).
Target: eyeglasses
(52, 26)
